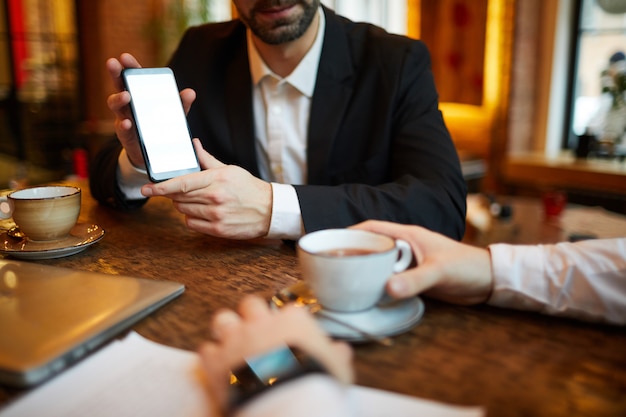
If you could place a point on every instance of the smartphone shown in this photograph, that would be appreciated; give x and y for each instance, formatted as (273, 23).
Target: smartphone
(160, 122)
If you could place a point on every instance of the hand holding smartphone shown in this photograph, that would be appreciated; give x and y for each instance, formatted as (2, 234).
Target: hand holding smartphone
(160, 122)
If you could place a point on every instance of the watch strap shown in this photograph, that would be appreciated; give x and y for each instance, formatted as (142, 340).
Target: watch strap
(261, 372)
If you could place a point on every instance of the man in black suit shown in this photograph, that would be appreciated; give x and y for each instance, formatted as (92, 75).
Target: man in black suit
(305, 120)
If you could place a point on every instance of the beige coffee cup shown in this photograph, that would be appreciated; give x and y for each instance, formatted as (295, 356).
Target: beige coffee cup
(43, 213)
(347, 269)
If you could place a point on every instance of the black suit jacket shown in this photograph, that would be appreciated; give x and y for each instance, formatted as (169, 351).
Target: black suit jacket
(377, 144)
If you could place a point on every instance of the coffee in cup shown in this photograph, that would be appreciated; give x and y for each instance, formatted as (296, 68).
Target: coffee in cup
(347, 269)
(43, 213)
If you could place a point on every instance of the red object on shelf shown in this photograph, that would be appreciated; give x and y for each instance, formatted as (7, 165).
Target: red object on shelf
(80, 163)
(553, 203)
(19, 49)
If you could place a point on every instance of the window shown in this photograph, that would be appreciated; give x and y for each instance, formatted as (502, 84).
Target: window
(389, 14)
(39, 84)
(599, 81)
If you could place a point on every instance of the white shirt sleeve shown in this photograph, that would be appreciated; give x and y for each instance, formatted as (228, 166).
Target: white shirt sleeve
(130, 178)
(585, 280)
(286, 221)
(309, 396)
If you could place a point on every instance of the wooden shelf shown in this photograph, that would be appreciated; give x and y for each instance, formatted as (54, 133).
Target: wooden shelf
(565, 171)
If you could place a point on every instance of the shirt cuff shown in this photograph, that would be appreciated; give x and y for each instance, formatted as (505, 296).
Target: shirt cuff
(309, 396)
(286, 221)
(130, 179)
(512, 265)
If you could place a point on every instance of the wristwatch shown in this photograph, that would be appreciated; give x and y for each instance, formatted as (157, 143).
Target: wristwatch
(261, 372)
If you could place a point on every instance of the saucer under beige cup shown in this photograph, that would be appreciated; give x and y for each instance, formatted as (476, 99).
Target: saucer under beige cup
(43, 213)
(347, 269)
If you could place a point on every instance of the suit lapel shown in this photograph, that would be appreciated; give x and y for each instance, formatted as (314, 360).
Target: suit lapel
(239, 108)
(330, 98)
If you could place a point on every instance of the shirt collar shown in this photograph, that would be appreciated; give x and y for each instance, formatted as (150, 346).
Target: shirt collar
(304, 75)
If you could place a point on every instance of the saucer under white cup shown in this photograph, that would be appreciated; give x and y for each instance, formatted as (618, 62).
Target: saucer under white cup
(388, 318)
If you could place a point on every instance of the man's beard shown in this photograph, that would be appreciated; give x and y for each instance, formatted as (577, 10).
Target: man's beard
(283, 30)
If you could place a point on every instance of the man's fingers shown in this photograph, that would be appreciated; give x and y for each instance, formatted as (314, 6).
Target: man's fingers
(115, 67)
(207, 161)
(395, 230)
(254, 308)
(412, 282)
(224, 322)
(115, 70)
(117, 103)
(187, 96)
(129, 61)
(179, 185)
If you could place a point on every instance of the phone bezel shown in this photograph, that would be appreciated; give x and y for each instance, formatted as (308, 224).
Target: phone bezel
(156, 176)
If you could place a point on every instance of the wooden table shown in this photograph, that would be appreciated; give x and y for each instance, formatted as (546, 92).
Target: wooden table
(513, 363)
(525, 225)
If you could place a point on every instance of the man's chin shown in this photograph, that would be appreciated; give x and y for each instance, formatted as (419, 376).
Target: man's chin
(279, 35)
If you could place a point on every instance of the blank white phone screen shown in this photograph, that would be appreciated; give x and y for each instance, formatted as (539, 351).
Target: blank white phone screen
(161, 121)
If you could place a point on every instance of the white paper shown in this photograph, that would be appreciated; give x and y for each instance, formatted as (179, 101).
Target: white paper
(135, 377)
(593, 220)
(377, 403)
(130, 377)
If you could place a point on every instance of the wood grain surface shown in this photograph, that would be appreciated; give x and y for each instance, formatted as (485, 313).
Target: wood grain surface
(513, 363)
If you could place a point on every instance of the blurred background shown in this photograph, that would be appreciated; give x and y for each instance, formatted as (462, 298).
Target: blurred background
(532, 90)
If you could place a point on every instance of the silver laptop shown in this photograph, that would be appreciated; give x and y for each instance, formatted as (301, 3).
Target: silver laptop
(50, 317)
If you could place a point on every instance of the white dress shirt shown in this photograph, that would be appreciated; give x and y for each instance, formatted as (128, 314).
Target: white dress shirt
(585, 280)
(281, 119)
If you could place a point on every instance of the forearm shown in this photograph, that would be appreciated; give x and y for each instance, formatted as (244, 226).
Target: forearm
(585, 280)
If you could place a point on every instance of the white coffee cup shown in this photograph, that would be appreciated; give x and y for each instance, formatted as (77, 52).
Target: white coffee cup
(43, 213)
(347, 269)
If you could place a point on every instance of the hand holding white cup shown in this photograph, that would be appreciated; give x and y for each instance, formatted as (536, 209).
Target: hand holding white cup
(43, 213)
(348, 269)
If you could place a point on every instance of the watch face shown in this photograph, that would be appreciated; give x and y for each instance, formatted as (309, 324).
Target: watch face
(268, 369)
(274, 365)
